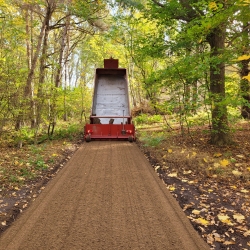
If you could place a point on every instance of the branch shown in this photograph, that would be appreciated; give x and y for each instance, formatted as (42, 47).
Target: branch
(159, 4)
(237, 35)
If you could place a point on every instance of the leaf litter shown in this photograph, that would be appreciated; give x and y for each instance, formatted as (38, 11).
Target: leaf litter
(25, 172)
(210, 183)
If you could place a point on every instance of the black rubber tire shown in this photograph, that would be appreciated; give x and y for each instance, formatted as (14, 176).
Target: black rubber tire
(130, 139)
(88, 138)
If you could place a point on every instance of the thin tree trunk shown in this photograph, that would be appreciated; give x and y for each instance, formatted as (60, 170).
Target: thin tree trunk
(43, 58)
(244, 83)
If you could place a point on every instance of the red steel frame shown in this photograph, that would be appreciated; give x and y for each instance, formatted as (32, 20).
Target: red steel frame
(123, 131)
(109, 131)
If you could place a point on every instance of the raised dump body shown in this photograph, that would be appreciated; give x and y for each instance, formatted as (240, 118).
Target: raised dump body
(110, 116)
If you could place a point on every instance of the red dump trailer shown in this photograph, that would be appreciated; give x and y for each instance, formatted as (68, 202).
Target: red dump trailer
(110, 117)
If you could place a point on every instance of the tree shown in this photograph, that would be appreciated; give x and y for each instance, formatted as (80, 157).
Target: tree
(206, 21)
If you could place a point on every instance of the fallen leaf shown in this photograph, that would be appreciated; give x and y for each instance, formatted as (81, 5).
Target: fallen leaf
(218, 237)
(244, 191)
(171, 188)
(202, 221)
(170, 150)
(240, 156)
(187, 172)
(247, 233)
(188, 206)
(210, 239)
(237, 173)
(217, 154)
(196, 212)
(173, 174)
(243, 57)
(205, 160)
(3, 223)
(227, 242)
(224, 219)
(216, 165)
(224, 162)
(157, 167)
(239, 217)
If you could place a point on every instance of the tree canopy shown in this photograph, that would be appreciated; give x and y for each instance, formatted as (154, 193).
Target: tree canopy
(183, 57)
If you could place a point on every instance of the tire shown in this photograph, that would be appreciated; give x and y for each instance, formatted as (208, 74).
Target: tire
(88, 138)
(130, 139)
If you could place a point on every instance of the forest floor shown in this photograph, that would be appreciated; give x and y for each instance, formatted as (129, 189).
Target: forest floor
(211, 184)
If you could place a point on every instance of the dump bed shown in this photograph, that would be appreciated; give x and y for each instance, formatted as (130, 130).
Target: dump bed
(110, 116)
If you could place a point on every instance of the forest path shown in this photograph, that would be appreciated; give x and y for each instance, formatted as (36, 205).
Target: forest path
(106, 197)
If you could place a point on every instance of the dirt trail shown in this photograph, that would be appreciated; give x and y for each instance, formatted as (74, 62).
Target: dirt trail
(106, 197)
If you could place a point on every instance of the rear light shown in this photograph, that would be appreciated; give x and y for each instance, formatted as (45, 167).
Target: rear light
(129, 132)
(89, 131)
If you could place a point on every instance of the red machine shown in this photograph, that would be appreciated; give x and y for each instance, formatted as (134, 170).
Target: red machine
(110, 116)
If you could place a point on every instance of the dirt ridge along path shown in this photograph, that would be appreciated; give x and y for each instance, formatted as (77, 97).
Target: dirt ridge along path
(106, 197)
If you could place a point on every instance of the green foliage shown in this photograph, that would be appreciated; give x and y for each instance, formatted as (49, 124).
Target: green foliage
(151, 139)
(69, 131)
(40, 165)
(147, 119)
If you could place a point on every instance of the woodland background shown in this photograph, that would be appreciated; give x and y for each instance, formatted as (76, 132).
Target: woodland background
(189, 83)
(187, 60)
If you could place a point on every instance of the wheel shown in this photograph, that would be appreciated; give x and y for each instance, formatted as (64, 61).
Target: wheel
(130, 139)
(88, 138)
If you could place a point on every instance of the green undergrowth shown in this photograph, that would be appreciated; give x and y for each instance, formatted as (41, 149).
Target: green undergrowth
(19, 165)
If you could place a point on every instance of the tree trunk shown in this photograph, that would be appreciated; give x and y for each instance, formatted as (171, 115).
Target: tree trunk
(244, 83)
(43, 58)
(220, 131)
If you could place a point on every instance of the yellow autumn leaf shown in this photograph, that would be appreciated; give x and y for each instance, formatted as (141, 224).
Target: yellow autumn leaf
(194, 154)
(173, 174)
(170, 150)
(239, 217)
(217, 154)
(244, 191)
(242, 58)
(187, 172)
(171, 188)
(205, 160)
(225, 219)
(246, 77)
(248, 168)
(212, 6)
(196, 212)
(224, 163)
(216, 165)
(237, 173)
(202, 221)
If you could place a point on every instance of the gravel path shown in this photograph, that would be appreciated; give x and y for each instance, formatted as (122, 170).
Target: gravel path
(106, 197)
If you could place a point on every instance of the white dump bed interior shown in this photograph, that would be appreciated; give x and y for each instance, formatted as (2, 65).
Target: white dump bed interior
(111, 98)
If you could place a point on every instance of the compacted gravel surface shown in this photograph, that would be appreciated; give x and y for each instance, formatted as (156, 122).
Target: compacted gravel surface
(106, 197)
